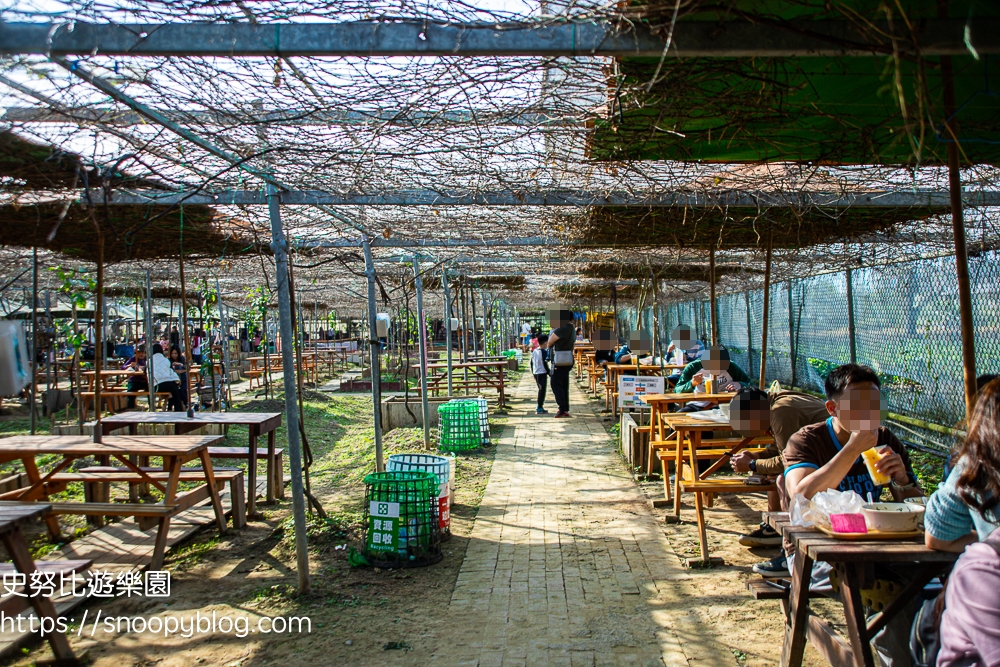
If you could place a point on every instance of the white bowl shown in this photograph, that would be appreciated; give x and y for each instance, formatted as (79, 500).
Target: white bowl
(918, 500)
(893, 517)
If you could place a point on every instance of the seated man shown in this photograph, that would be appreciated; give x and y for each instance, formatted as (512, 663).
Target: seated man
(827, 455)
(623, 355)
(136, 382)
(789, 411)
(730, 377)
(691, 353)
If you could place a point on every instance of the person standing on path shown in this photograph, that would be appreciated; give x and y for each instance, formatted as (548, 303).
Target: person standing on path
(540, 369)
(561, 341)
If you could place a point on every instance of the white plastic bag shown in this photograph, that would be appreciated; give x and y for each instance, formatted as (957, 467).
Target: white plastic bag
(807, 513)
(15, 364)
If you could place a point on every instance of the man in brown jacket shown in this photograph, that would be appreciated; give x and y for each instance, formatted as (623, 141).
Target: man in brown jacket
(790, 411)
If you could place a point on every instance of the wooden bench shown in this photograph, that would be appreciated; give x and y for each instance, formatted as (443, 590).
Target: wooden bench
(243, 453)
(97, 480)
(107, 397)
(57, 567)
(12, 516)
(666, 451)
(769, 589)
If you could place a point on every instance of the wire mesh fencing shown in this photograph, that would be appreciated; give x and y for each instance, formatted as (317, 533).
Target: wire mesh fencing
(905, 326)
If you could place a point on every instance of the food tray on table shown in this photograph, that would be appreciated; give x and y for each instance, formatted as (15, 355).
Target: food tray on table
(871, 534)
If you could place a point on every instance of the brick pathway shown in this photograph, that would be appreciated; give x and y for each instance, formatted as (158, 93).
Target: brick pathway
(567, 565)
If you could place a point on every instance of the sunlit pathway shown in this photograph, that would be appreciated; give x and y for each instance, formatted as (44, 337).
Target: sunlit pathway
(567, 565)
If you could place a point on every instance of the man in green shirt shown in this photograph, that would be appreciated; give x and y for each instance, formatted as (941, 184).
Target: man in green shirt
(693, 380)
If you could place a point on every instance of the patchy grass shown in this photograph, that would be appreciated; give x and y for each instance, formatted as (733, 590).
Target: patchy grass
(190, 554)
(929, 469)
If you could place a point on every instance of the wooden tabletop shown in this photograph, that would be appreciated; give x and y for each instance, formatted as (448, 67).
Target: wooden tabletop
(13, 514)
(822, 547)
(686, 419)
(17, 446)
(111, 373)
(466, 364)
(631, 367)
(126, 418)
(689, 397)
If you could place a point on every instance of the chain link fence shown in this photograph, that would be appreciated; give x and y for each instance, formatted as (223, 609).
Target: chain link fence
(906, 327)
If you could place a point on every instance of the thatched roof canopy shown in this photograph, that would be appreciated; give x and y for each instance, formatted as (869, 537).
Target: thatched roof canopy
(637, 271)
(25, 164)
(743, 227)
(130, 232)
(595, 291)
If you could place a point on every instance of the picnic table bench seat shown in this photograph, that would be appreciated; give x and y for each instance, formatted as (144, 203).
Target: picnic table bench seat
(258, 424)
(710, 448)
(277, 482)
(109, 396)
(12, 516)
(764, 589)
(97, 478)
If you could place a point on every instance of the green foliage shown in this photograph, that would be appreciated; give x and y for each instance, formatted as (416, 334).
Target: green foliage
(259, 298)
(929, 469)
(894, 383)
(76, 285)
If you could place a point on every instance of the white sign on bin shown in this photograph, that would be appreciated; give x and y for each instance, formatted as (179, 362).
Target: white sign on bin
(383, 509)
(631, 389)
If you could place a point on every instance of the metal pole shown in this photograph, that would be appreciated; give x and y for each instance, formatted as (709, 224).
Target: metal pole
(746, 297)
(34, 335)
(485, 323)
(373, 347)
(958, 230)
(149, 343)
(713, 311)
(224, 335)
(851, 330)
(614, 307)
(472, 304)
(463, 325)
(49, 357)
(280, 248)
(425, 405)
(791, 331)
(765, 314)
(447, 322)
(185, 334)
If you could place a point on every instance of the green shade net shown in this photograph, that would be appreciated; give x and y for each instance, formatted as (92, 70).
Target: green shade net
(876, 109)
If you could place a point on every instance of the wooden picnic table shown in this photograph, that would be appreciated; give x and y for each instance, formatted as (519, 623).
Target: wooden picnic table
(120, 376)
(12, 516)
(258, 424)
(484, 373)
(659, 404)
(854, 561)
(688, 434)
(174, 450)
(113, 383)
(579, 349)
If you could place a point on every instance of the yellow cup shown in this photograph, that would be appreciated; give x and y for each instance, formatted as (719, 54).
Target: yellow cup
(871, 457)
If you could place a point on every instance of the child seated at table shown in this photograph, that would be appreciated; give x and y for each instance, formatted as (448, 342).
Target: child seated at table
(540, 369)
